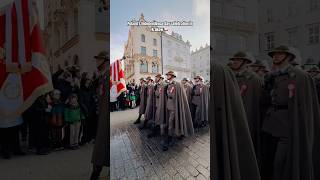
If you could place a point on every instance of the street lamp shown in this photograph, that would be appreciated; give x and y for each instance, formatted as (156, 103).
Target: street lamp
(161, 52)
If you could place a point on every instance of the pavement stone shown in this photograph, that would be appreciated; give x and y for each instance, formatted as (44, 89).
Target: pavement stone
(133, 155)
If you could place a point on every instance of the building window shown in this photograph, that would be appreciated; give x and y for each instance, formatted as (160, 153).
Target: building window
(155, 53)
(236, 42)
(154, 42)
(58, 43)
(101, 20)
(292, 36)
(75, 21)
(143, 38)
(269, 41)
(314, 34)
(239, 13)
(221, 42)
(291, 9)
(314, 4)
(143, 50)
(169, 53)
(66, 31)
(217, 9)
(76, 60)
(269, 16)
(155, 67)
(143, 66)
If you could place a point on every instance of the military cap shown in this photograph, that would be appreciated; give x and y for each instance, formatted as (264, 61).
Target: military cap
(185, 79)
(263, 64)
(171, 73)
(142, 79)
(283, 49)
(243, 55)
(160, 76)
(257, 63)
(198, 77)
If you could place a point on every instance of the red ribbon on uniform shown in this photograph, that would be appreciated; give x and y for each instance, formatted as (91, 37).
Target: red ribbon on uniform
(243, 89)
(172, 89)
(291, 88)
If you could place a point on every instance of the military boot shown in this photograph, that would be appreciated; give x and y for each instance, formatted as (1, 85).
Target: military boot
(138, 120)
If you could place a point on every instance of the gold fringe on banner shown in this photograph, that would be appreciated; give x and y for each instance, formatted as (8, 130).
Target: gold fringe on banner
(12, 68)
(26, 67)
(2, 53)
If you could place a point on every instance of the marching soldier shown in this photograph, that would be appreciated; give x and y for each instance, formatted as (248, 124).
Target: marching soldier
(291, 126)
(260, 68)
(314, 72)
(200, 102)
(160, 104)
(179, 122)
(251, 91)
(150, 104)
(188, 88)
(233, 154)
(143, 99)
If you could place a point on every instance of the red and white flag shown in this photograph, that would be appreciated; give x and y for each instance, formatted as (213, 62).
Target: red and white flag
(24, 71)
(117, 79)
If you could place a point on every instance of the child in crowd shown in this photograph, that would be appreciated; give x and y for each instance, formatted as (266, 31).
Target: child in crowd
(73, 116)
(57, 120)
(133, 99)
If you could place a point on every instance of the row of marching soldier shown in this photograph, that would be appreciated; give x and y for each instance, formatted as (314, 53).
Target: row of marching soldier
(172, 109)
(269, 117)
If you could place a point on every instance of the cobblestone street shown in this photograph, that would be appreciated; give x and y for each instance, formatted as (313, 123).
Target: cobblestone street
(58, 165)
(134, 156)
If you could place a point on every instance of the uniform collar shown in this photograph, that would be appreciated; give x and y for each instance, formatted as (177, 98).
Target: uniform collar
(171, 81)
(284, 69)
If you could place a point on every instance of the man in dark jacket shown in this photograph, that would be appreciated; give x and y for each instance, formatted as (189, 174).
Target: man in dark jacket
(101, 152)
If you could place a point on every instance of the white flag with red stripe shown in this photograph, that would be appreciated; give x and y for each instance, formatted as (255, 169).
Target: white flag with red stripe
(24, 71)
(117, 78)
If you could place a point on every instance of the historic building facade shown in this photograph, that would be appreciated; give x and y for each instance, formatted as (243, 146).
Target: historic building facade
(292, 22)
(200, 62)
(176, 55)
(143, 53)
(235, 27)
(69, 27)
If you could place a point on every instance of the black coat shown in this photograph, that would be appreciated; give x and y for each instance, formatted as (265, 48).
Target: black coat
(86, 101)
